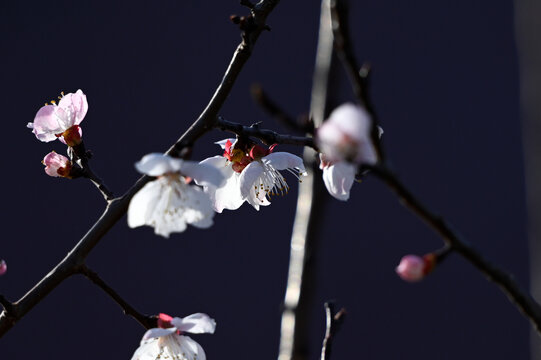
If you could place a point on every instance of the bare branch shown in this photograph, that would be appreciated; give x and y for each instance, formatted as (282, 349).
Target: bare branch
(116, 208)
(268, 137)
(523, 301)
(333, 323)
(146, 321)
(269, 106)
(80, 155)
(358, 76)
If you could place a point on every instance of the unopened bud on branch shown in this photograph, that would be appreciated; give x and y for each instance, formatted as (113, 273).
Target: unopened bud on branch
(414, 268)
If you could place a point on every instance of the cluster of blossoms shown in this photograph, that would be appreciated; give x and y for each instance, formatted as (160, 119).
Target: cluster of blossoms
(168, 342)
(60, 121)
(251, 173)
(245, 172)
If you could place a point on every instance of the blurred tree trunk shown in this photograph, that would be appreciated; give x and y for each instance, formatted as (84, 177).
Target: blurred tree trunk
(528, 36)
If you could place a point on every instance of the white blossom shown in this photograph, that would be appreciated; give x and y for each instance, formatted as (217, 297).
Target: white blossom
(168, 342)
(251, 175)
(168, 203)
(345, 143)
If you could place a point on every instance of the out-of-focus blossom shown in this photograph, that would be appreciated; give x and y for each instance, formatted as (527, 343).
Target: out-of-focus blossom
(3, 267)
(61, 121)
(57, 165)
(414, 268)
(252, 174)
(168, 342)
(168, 203)
(345, 143)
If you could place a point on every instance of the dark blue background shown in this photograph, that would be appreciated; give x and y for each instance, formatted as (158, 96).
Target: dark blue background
(445, 85)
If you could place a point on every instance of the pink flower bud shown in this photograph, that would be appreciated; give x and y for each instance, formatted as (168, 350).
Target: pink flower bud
(57, 165)
(3, 267)
(413, 268)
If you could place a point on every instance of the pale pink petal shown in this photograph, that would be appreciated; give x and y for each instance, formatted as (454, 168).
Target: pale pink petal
(284, 160)
(74, 105)
(54, 162)
(198, 323)
(338, 179)
(45, 125)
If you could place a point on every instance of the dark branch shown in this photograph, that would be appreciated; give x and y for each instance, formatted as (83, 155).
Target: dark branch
(269, 106)
(268, 137)
(80, 155)
(333, 323)
(359, 77)
(146, 321)
(524, 302)
(8, 306)
(118, 207)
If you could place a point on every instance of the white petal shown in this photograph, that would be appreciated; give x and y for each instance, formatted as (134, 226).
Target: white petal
(224, 141)
(257, 201)
(352, 120)
(203, 174)
(249, 177)
(168, 205)
(148, 350)
(143, 203)
(226, 196)
(169, 347)
(197, 323)
(284, 160)
(197, 206)
(338, 179)
(156, 164)
(158, 332)
(192, 350)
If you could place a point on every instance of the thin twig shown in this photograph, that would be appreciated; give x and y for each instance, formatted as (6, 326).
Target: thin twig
(146, 321)
(358, 77)
(523, 301)
(269, 106)
(80, 155)
(268, 137)
(333, 323)
(301, 281)
(118, 207)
